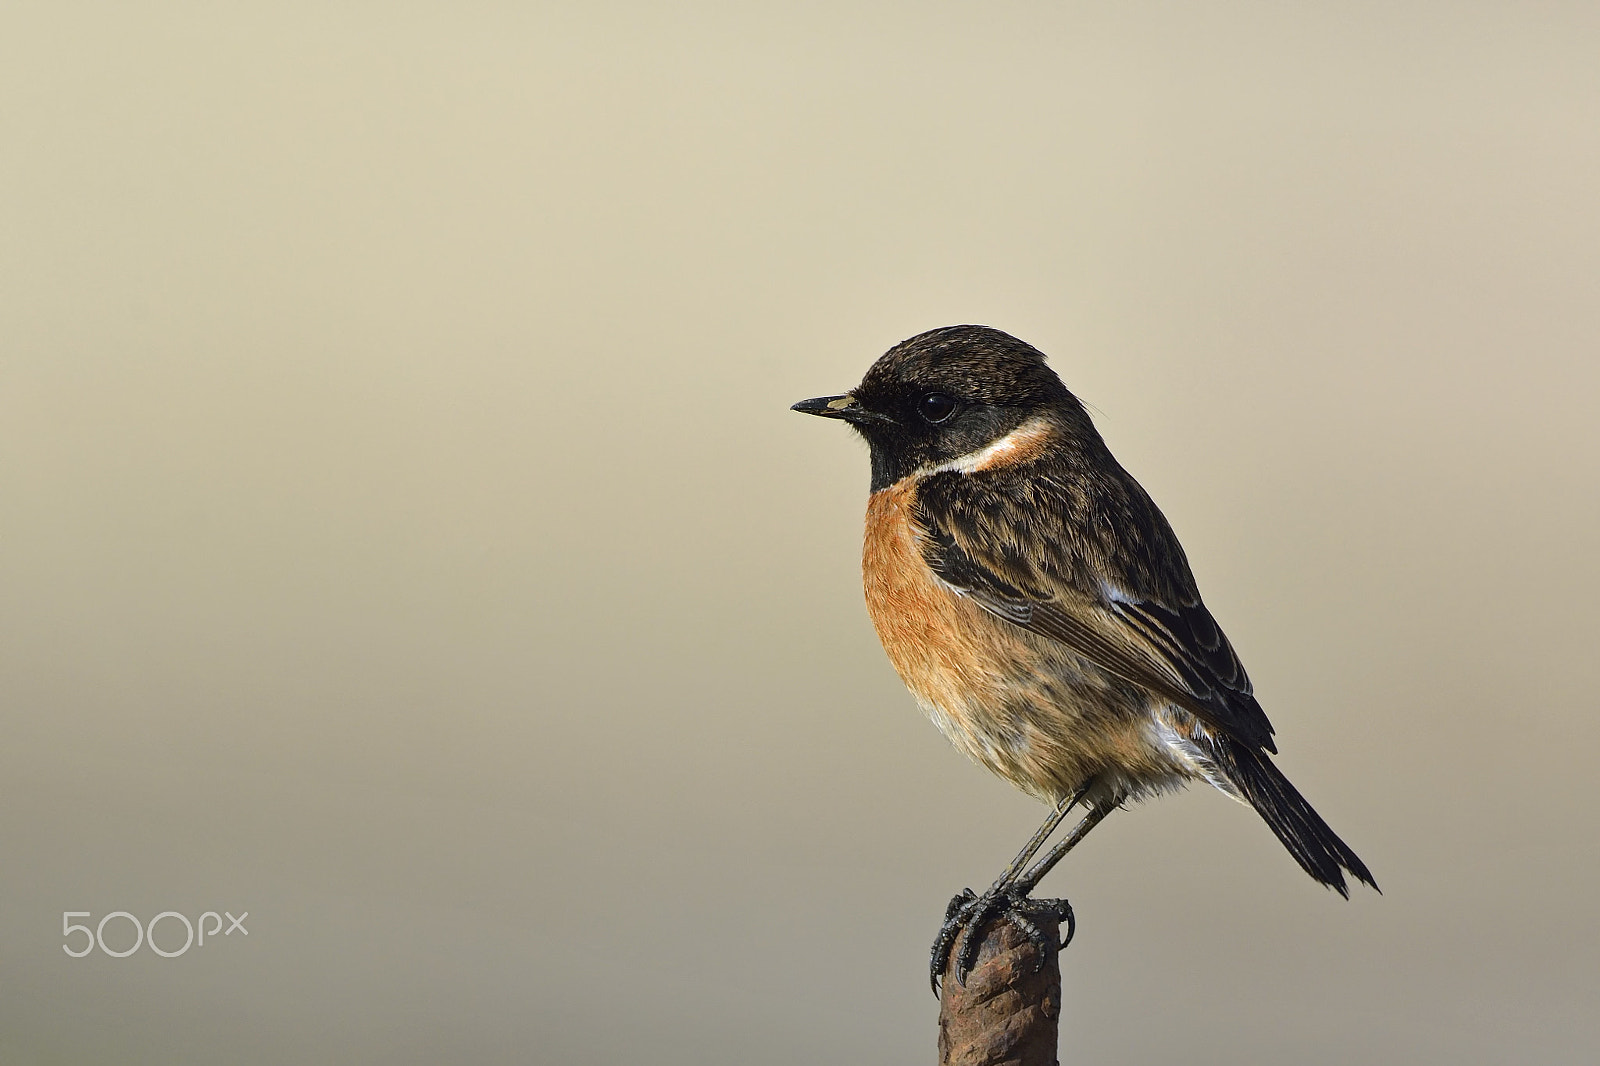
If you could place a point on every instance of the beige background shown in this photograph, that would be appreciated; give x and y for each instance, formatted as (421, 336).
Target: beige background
(403, 536)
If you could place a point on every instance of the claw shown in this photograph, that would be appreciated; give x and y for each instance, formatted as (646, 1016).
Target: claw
(956, 903)
(980, 912)
(954, 920)
(1065, 915)
(968, 915)
(1031, 931)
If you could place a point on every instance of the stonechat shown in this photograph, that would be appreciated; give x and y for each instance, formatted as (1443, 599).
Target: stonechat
(1040, 609)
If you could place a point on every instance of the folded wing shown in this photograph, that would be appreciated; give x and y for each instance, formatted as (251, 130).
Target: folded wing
(1138, 617)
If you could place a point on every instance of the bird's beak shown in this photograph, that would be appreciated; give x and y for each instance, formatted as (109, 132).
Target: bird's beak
(844, 407)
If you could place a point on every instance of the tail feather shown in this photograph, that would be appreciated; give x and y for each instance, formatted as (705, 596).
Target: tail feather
(1317, 848)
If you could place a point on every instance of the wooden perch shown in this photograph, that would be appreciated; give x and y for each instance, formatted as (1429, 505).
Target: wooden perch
(1008, 1012)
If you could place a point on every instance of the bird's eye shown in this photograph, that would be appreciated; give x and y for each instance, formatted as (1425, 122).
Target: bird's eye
(936, 407)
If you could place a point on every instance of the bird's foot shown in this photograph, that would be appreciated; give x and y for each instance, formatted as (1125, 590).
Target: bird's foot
(968, 914)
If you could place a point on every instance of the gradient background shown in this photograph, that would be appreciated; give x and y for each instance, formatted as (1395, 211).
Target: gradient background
(404, 538)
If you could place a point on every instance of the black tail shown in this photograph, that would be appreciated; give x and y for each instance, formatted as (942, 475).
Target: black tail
(1317, 849)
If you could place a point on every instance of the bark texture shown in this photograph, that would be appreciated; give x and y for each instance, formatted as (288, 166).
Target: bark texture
(1008, 1013)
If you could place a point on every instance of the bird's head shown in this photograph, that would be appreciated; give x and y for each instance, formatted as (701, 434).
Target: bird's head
(957, 398)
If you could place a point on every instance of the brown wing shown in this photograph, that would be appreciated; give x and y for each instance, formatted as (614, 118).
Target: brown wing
(1092, 563)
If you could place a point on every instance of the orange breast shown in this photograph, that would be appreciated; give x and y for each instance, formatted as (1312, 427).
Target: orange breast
(962, 666)
(1024, 706)
(942, 646)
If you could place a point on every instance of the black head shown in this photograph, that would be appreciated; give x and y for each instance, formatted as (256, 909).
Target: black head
(945, 394)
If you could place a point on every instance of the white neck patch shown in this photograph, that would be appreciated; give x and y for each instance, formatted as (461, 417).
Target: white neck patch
(1017, 446)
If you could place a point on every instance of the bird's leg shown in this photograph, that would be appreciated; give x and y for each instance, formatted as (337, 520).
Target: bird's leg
(1012, 901)
(1036, 841)
(968, 913)
(1096, 815)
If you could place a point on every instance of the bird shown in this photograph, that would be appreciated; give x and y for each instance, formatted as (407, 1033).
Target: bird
(1041, 611)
